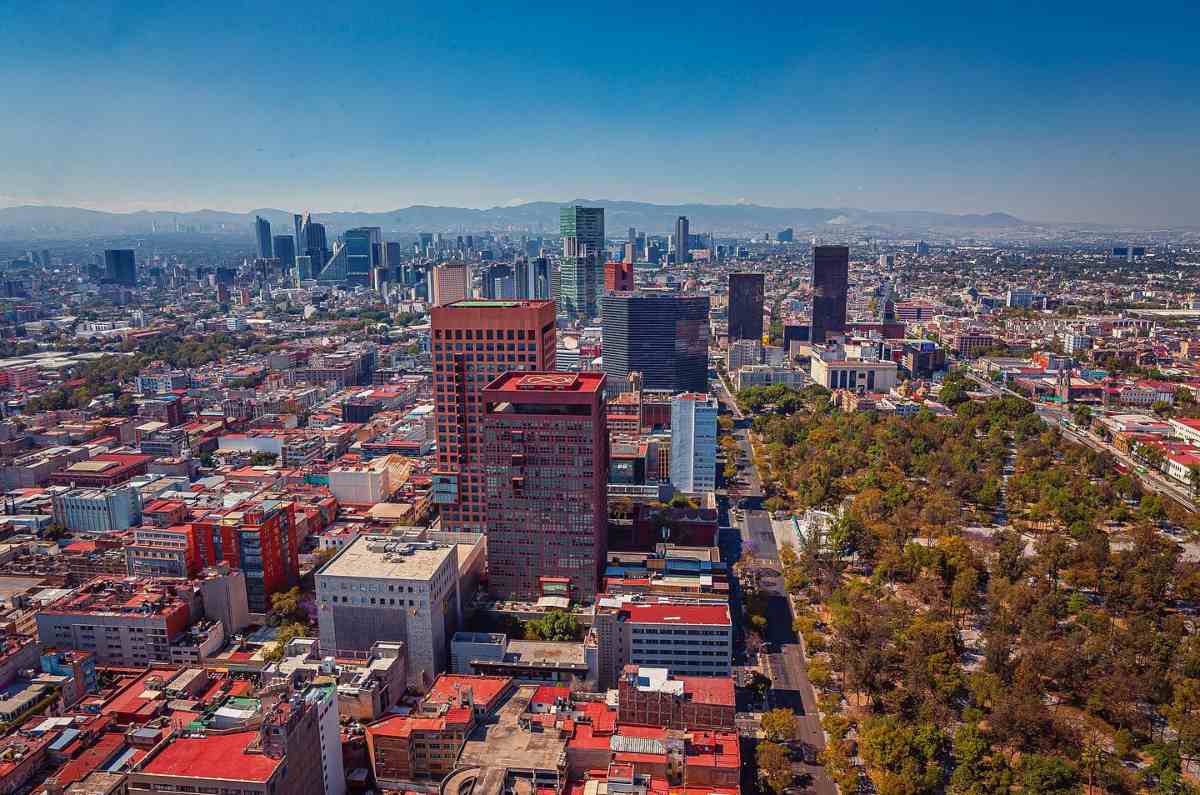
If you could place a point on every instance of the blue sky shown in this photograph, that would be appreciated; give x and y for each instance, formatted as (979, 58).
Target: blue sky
(1051, 111)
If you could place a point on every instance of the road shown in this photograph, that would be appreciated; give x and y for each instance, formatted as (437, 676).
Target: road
(784, 655)
(783, 658)
(1157, 482)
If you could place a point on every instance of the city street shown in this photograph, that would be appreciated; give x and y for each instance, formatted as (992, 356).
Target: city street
(783, 656)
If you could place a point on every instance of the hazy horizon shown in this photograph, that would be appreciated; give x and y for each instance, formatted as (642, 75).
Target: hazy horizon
(1066, 114)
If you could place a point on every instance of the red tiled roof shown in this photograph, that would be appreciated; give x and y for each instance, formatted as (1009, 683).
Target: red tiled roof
(218, 755)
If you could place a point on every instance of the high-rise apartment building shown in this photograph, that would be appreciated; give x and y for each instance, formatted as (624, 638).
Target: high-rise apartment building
(450, 282)
(474, 342)
(262, 231)
(582, 229)
(693, 442)
(284, 247)
(119, 267)
(745, 306)
(545, 457)
(662, 335)
(830, 283)
(682, 238)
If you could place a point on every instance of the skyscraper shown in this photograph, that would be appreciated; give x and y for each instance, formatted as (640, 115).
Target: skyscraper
(119, 267)
(546, 468)
(682, 236)
(693, 442)
(830, 283)
(450, 282)
(262, 229)
(473, 342)
(534, 278)
(745, 306)
(284, 247)
(393, 261)
(311, 241)
(582, 229)
(581, 283)
(662, 335)
(362, 247)
(497, 281)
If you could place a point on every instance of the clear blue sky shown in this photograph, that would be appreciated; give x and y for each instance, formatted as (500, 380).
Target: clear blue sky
(1050, 110)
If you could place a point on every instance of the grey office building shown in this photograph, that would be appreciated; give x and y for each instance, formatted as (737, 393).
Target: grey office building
(662, 335)
(830, 283)
(262, 230)
(746, 306)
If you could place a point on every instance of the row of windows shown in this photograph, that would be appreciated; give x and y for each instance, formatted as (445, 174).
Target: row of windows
(482, 334)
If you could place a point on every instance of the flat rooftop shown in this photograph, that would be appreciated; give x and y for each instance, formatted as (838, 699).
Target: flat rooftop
(500, 743)
(542, 652)
(380, 556)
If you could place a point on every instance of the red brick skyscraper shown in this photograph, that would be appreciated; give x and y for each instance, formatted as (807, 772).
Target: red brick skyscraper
(546, 463)
(473, 342)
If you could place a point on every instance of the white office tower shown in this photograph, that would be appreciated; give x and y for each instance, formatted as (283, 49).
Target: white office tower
(693, 442)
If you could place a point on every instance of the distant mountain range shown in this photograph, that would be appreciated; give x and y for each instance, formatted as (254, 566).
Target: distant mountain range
(31, 221)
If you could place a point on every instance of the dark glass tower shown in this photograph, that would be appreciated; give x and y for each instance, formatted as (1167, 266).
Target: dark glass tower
(830, 282)
(119, 267)
(285, 251)
(746, 306)
(664, 336)
(262, 230)
(682, 240)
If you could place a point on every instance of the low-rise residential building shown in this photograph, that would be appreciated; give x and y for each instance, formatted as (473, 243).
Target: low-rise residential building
(98, 510)
(651, 696)
(367, 686)
(125, 622)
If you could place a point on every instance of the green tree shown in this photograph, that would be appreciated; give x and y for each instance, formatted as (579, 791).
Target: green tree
(774, 766)
(285, 635)
(779, 725)
(760, 684)
(1047, 775)
(554, 625)
(907, 758)
(286, 607)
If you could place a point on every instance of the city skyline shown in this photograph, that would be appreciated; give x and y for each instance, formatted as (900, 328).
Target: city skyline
(1054, 116)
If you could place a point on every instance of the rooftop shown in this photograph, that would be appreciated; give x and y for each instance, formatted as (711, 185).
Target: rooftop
(388, 556)
(678, 614)
(501, 743)
(221, 756)
(484, 689)
(548, 382)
